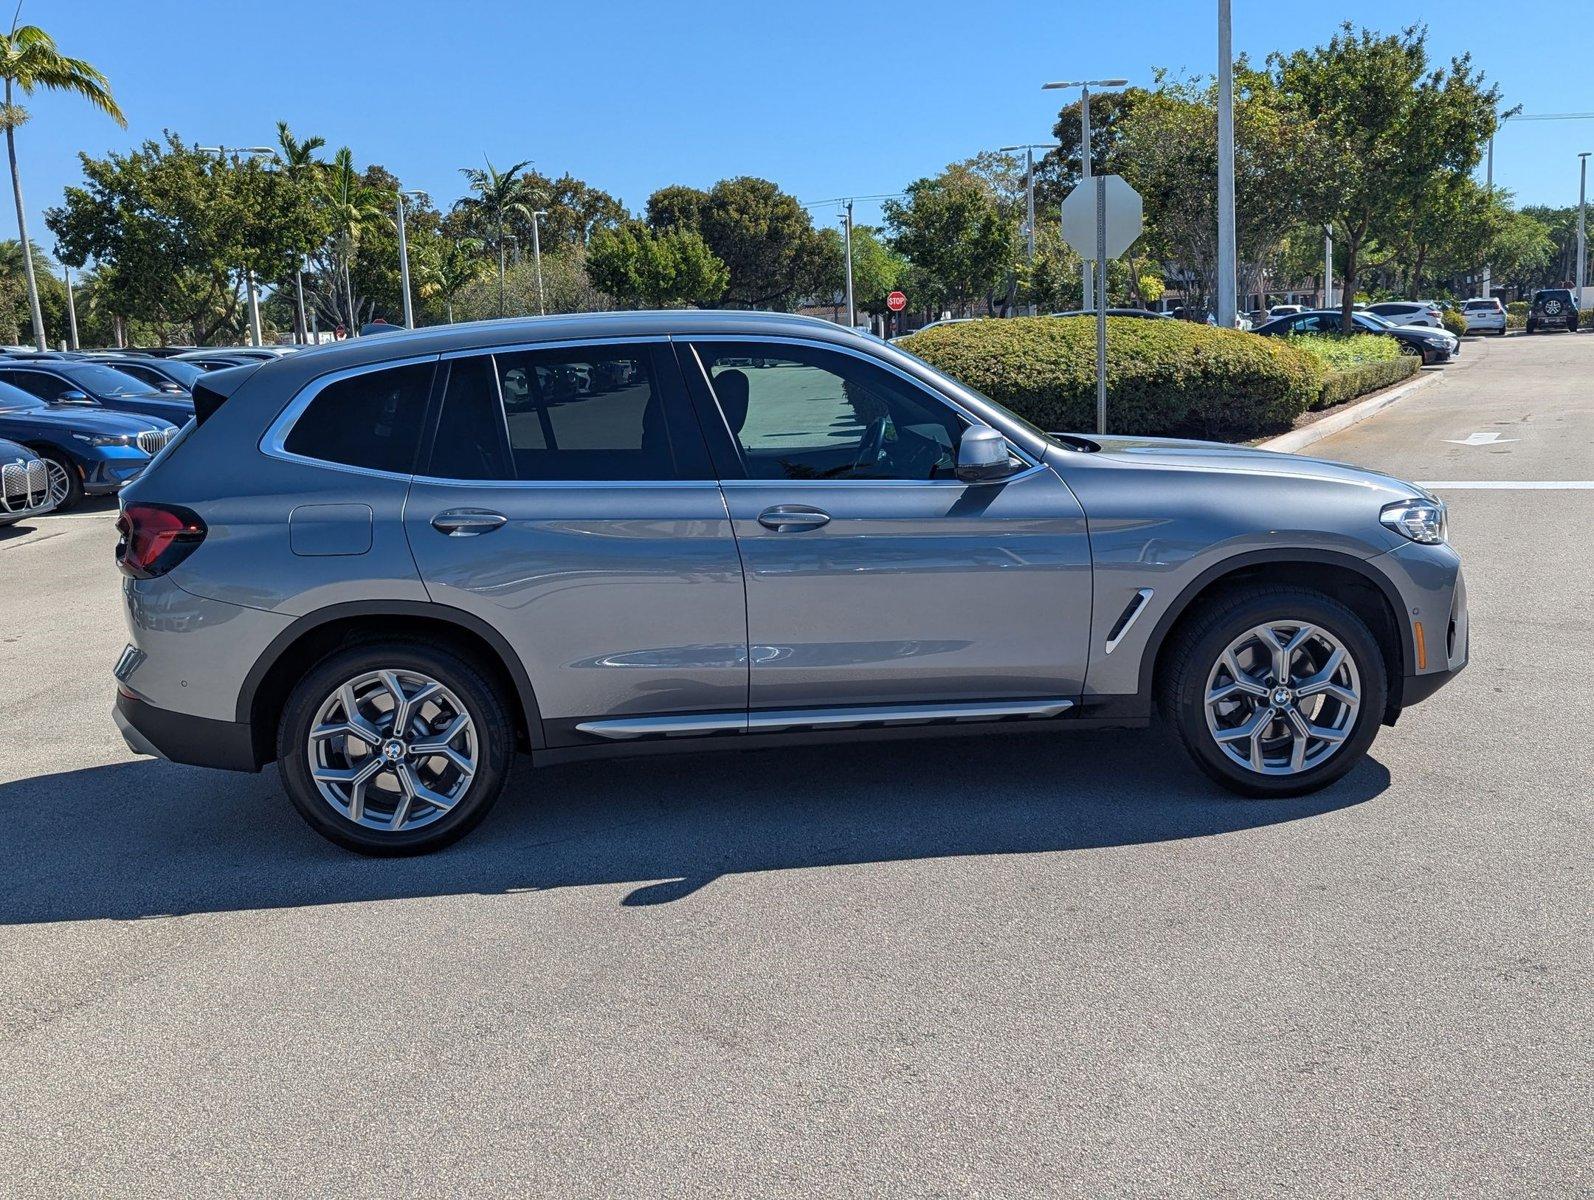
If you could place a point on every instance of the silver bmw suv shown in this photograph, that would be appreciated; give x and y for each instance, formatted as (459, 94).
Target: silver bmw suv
(390, 564)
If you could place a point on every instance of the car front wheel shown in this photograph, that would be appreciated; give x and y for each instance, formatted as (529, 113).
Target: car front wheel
(66, 486)
(394, 748)
(1275, 691)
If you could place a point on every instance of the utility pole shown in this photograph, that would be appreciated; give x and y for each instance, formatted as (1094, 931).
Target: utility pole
(536, 255)
(1582, 226)
(1084, 86)
(1029, 198)
(846, 226)
(1227, 268)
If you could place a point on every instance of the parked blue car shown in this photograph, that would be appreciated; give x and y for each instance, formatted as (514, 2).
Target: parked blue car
(88, 450)
(64, 380)
(24, 483)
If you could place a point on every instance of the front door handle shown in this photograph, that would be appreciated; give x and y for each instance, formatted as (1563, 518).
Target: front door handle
(467, 522)
(792, 517)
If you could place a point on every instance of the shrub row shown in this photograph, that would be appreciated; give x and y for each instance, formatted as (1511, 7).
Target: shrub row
(1163, 377)
(1347, 383)
(1336, 352)
(1454, 322)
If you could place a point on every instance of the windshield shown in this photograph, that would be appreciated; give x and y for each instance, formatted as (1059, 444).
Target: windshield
(1381, 322)
(105, 381)
(183, 373)
(14, 398)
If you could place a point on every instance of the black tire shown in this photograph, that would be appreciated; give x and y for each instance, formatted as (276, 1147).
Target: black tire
(60, 464)
(1533, 327)
(482, 702)
(1182, 683)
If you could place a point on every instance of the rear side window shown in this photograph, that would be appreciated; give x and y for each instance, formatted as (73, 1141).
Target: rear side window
(372, 420)
(608, 413)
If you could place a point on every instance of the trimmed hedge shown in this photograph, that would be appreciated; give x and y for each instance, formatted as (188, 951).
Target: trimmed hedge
(1351, 382)
(1163, 377)
(1454, 322)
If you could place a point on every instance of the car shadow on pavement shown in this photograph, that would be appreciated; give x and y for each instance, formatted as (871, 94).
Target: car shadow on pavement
(149, 839)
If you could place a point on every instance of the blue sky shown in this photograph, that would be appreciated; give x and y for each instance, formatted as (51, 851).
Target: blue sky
(825, 99)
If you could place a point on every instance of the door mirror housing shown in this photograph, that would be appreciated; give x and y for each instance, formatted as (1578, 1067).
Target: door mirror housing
(983, 456)
(74, 397)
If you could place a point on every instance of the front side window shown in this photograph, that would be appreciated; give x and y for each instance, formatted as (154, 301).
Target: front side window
(37, 383)
(607, 413)
(371, 420)
(802, 412)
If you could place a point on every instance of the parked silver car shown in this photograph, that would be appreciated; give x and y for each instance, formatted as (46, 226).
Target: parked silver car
(24, 484)
(389, 564)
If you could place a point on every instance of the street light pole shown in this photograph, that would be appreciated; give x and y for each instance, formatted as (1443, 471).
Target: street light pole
(404, 261)
(1084, 86)
(846, 227)
(71, 306)
(1328, 267)
(1228, 282)
(536, 257)
(1029, 198)
(1582, 225)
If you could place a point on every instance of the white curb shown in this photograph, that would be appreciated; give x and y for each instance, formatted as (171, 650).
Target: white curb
(1297, 440)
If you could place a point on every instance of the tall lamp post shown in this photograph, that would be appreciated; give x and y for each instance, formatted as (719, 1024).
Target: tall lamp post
(1228, 283)
(1516, 114)
(1084, 86)
(1029, 197)
(846, 241)
(1328, 267)
(1583, 239)
(536, 257)
(71, 306)
(404, 259)
(220, 152)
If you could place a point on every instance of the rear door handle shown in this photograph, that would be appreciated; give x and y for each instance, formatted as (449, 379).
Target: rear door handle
(792, 517)
(467, 522)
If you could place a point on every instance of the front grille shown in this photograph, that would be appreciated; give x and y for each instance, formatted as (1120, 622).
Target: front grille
(24, 485)
(153, 440)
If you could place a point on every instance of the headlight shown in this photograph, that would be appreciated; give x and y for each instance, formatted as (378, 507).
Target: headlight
(1420, 520)
(108, 439)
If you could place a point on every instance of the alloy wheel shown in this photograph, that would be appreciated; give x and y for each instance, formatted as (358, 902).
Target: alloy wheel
(1283, 698)
(60, 483)
(392, 750)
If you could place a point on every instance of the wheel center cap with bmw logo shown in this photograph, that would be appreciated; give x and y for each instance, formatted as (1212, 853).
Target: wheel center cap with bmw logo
(1281, 697)
(394, 750)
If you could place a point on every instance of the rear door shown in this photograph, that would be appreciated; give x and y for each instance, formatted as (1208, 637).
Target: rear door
(874, 575)
(567, 499)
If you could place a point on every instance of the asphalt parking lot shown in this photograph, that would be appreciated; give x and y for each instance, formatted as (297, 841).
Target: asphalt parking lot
(1007, 966)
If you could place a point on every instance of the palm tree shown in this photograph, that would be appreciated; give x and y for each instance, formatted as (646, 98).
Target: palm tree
(449, 271)
(301, 166)
(499, 192)
(354, 209)
(29, 61)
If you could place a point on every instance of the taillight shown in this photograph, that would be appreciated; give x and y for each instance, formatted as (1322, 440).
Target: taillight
(155, 538)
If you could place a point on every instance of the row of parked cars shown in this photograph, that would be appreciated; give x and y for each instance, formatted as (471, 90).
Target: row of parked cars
(76, 424)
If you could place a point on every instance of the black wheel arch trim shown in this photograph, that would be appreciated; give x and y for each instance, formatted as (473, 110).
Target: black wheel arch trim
(1330, 558)
(444, 613)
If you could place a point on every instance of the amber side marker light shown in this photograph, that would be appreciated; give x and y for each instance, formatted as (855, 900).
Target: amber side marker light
(1422, 646)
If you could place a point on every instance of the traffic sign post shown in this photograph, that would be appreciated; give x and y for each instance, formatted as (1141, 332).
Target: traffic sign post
(896, 302)
(1101, 219)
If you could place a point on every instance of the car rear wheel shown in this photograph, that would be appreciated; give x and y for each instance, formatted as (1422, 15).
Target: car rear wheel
(1275, 691)
(66, 486)
(394, 748)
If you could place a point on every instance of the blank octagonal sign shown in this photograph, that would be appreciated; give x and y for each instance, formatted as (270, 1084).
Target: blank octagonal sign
(1124, 218)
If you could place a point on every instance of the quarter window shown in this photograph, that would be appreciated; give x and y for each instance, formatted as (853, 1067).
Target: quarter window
(372, 420)
(802, 412)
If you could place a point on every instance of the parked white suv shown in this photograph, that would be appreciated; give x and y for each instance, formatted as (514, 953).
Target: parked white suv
(1483, 315)
(1409, 312)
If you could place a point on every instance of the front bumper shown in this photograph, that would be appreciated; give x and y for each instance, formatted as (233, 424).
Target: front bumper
(113, 471)
(181, 738)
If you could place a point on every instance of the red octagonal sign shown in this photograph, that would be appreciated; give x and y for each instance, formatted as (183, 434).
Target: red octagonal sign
(896, 301)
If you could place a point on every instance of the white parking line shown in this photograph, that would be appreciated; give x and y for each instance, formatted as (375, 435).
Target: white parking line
(1510, 485)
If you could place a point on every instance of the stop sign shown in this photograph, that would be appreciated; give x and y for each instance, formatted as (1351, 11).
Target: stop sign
(897, 301)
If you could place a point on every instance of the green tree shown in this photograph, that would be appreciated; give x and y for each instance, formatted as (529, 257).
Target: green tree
(29, 61)
(447, 266)
(951, 228)
(501, 197)
(1058, 171)
(1390, 124)
(354, 209)
(643, 268)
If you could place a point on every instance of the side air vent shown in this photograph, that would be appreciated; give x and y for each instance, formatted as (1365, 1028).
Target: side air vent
(1127, 618)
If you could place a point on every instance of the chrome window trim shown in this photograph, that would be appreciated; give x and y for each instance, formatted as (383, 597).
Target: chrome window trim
(273, 442)
(970, 418)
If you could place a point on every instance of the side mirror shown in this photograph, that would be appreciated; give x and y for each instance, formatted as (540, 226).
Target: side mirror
(983, 456)
(73, 397)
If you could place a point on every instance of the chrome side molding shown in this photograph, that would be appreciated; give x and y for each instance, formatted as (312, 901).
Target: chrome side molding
(777, 720)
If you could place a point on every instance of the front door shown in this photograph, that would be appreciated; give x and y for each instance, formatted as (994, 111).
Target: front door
(874, 575)
(567, 499)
